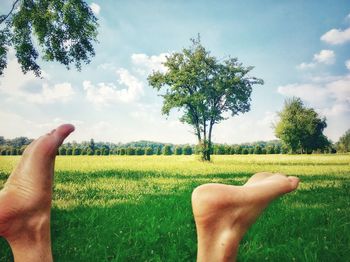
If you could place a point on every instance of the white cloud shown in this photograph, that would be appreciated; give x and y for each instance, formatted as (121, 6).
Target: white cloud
(146, 64)
(107, 66)
(246, 128)
(325, 57)
(310, 92)
(304, 65)
(62, 92)
(347, 64)
(95, 8)
(331, 98)
(336, 36)
(16, 86)
(108, 93)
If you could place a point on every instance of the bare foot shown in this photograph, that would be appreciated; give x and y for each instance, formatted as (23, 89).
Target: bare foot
(223, 213)
(25, 200)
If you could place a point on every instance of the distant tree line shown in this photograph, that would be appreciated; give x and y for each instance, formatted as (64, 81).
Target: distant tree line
(16, 146)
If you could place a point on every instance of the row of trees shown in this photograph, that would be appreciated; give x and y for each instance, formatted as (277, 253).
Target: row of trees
(165, 150)
(273, 147)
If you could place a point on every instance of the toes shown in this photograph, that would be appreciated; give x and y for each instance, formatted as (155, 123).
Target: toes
(48, 144)
(294, 181)
(61, 133)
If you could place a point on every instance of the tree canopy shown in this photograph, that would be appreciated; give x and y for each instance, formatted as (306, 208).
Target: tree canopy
(301, 128)
(343, 145)
(65, 30)
(204, 88)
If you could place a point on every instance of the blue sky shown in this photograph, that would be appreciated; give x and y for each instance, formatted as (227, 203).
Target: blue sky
(299, 48)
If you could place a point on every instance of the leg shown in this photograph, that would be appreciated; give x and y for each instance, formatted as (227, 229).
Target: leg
(223, 213)
(25, 200)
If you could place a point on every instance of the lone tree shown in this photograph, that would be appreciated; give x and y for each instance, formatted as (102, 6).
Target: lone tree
(64, 29)
(300, 128)
(204, 88)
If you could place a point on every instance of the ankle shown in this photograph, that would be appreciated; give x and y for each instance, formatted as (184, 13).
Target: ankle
(221, 246)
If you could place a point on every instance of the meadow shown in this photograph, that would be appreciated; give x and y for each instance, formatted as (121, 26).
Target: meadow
(137, 208)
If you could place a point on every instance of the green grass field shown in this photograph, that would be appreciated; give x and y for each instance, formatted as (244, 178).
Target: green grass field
(119, 208)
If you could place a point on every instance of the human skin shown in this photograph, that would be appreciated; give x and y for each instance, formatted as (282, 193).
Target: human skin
(25, 200)
(222, 213)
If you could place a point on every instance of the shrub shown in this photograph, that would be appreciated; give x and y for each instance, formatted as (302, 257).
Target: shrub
(149, 151)
(178, 150)
(277, 150)
(69, 151)
(238, 150)
(98, 152)
(245, 151)
(90, 152)
(159, 150)
(257, 150)
(167, 150)
(76, 151)
(130, 151)
(139, 151)
(219, 149)
(122, 151)
(270, 150)
(187, 150)
(62, 151)
(105, 151)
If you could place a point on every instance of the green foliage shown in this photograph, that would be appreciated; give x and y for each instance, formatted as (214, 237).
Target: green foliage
(105, 151)
(251, 150)
(167, 150)
(278, 150)
(257, 150)
(159, 151)
(139, 151)
(204, 88)
(219, 149)
(148, 151)
(76, 151)
(300, 128)
(64, 29)
(62, 151)
(245, 151)
(98, 152)
(270, 149)
(69, 151)
(238, 150)
(178, 150)
(90, 152)
(130, 151)
(187, 150)
(122, 151)
(343, 144)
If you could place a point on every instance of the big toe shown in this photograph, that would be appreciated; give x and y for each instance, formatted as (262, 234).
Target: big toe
(294, 181)
(48, 144)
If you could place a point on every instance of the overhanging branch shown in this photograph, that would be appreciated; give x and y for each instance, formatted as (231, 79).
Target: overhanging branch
(4, 17)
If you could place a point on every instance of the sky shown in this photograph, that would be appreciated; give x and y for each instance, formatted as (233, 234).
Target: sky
(299, 48)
